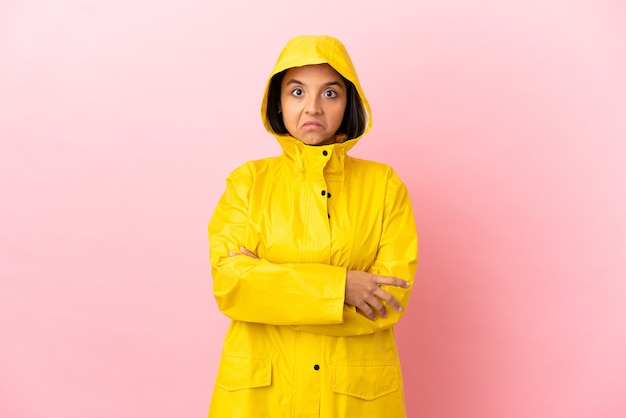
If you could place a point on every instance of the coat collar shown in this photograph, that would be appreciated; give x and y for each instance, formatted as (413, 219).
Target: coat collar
(310, 161)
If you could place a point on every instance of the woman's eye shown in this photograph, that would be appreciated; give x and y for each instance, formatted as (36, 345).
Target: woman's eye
(297, 92)
(330, 93)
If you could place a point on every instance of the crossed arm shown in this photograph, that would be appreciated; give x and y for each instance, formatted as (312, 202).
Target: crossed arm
(363, 290)
(312, 297)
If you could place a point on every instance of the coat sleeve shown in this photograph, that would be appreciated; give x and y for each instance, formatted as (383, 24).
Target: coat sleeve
(397, 257)
(260, 291)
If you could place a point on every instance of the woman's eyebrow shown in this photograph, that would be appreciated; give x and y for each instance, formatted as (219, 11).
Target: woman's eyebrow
(330, 83)
(334, 83)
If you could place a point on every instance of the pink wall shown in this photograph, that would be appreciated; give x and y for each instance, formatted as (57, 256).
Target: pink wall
(119, 121)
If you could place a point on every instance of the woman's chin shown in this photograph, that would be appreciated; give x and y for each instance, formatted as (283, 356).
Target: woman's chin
(315, 139)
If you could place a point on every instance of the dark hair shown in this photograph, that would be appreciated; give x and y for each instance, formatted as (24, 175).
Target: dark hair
(354, 119)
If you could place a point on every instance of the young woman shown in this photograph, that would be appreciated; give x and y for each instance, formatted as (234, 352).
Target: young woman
(313, 254)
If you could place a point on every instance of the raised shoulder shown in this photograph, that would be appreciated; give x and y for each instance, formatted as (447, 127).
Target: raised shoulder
(368, 168)
(247, 171)
(242, 173)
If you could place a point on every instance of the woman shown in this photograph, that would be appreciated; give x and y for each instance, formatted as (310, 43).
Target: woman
(313, 255)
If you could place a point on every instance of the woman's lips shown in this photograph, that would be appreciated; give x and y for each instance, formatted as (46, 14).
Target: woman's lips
(312, 126)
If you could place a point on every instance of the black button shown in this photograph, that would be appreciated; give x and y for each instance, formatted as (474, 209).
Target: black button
(329, 195)
(323, 192)
(316, 367)
(325, 153)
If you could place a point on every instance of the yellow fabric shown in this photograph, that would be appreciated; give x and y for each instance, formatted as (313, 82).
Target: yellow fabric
(294, 349)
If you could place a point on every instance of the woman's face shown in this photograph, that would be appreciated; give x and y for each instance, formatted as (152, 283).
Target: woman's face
(313, 100)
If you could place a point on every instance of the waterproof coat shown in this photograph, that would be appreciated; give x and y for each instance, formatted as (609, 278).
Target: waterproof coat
(294, 348)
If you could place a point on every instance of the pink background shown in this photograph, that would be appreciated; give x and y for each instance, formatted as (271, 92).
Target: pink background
(119, 121)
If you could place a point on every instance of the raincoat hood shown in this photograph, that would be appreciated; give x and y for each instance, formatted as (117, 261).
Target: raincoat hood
(311, 50)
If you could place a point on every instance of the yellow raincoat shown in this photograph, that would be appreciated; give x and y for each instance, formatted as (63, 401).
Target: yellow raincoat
(294, 349)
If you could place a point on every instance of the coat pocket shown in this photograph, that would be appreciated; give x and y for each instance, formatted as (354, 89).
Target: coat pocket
(366, 380)
(241, 371)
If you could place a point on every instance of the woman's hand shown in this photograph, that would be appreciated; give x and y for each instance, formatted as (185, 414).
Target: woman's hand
(244, 251)
(363, 292)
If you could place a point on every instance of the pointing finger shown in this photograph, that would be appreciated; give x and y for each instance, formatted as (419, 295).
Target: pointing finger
(392, 281)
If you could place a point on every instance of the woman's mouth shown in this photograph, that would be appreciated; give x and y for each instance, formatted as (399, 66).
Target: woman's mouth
(312, 126)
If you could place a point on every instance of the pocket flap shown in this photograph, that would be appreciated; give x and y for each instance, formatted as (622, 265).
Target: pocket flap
(365, 381)
(239, 371)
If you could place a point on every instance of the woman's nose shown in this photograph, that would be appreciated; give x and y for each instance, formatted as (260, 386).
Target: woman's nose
(313, 105)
